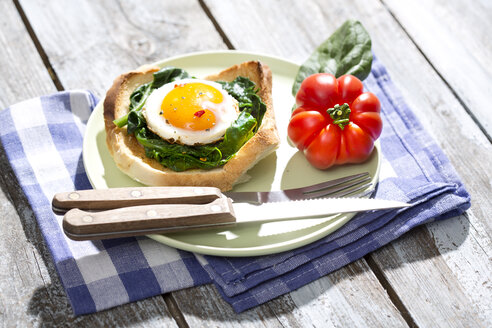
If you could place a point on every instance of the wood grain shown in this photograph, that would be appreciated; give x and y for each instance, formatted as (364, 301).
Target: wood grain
(340, 296)
(332, 301)
(117, 36)
(19, 61)
(105, 199)
(455, 38)
(203, 307)
(147, 219)
(460, 244)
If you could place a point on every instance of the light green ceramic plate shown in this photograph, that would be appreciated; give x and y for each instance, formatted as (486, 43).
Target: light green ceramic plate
(286, 168)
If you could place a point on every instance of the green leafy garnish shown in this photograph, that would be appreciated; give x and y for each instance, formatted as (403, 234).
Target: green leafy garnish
(178, 157)
(346, 51)
(237, 134)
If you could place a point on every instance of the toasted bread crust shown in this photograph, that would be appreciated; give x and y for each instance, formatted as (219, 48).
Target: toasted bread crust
(130, 157)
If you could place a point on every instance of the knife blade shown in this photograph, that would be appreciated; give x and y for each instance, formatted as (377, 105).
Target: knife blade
(222, 212)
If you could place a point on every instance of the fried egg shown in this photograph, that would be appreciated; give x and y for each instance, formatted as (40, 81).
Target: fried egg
(190, 111)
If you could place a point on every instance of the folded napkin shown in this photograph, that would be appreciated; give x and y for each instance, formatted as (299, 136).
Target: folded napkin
(42, 138)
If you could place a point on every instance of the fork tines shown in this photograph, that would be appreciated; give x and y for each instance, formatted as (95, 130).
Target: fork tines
(355, 185)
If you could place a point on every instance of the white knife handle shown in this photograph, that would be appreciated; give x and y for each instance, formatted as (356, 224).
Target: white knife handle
(104, 199)
(146, 219)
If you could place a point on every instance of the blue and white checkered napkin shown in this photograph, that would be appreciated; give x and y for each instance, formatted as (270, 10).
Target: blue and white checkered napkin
(42, 138)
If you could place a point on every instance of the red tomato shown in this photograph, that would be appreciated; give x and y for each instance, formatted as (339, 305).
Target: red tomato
(335, 121)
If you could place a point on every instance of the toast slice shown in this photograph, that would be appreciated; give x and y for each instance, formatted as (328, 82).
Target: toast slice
(130, 157)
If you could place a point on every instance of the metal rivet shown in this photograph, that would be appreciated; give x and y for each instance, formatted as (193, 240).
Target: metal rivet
(199, 191)
(151, 213)
(74, 195)
(215, 208)
(136, 193)
(87, 219)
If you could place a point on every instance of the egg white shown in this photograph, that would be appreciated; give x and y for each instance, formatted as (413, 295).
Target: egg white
(225, 113)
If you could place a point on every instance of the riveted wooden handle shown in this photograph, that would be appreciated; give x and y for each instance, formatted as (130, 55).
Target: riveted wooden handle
(147, 219)
(104, 199)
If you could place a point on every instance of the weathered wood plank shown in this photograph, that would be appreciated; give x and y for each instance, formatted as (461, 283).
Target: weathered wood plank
(455, 37)
(31, 293)
(446, 287)
(203, 307)
(343, 289)
(89, 44)
(332, 301)
(19, 61)
(460, 244)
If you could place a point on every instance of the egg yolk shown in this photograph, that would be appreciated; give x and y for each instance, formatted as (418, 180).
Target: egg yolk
(188, 106)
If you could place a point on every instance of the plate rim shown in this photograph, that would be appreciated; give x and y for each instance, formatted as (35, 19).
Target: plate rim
(243, 251)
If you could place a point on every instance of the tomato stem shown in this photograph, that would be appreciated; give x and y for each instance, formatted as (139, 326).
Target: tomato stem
(340, 115)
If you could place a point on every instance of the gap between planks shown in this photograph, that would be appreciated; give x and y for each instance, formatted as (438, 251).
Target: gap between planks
(39, 47)
(174, 310)
(217, 26)
(392, 294)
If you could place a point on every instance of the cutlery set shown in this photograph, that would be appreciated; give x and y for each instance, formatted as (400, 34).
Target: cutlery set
(120, 212)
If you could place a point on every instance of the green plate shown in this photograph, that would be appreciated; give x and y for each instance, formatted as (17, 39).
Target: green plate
(286, 168)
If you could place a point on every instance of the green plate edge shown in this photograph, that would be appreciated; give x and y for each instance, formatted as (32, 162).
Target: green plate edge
(286, 168)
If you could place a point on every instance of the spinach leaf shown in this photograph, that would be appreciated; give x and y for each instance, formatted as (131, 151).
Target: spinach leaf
(136, 120)
(237, 134)
(244, 91)
(346, 51)
(139, 96)
(176, 156)
(168, 74)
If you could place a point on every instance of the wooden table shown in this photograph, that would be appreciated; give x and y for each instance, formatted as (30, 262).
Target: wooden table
(439, 53)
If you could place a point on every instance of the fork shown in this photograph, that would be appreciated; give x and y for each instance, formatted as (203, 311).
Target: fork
(357, 185)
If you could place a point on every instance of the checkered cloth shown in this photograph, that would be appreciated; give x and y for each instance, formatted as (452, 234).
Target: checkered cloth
(42, 138)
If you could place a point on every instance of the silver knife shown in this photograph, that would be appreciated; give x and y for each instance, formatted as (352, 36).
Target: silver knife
(222, 212)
